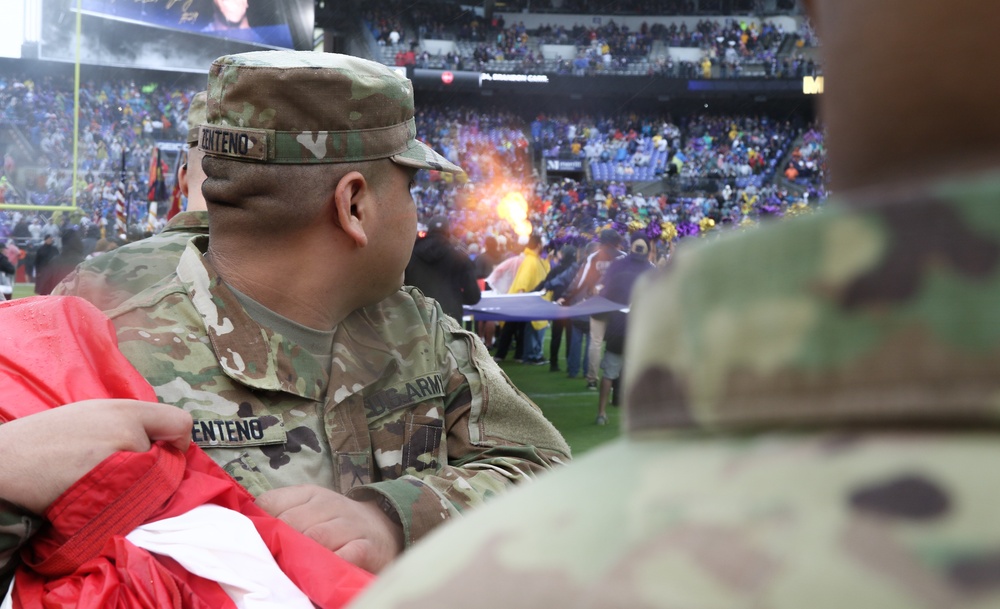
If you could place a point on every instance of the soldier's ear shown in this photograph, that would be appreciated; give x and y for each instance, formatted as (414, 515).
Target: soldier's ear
(182, 179)
(350, 201)
(182, 174)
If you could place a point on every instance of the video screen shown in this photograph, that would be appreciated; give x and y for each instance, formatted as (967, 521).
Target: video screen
(272, 23)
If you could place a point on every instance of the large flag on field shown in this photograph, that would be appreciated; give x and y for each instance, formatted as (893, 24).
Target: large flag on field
(157, 185)
(531, 306)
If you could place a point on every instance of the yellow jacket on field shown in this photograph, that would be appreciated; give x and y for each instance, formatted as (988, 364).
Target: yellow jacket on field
(530, 274)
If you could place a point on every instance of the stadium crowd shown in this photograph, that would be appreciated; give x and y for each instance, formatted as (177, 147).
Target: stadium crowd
(740, 152)
(724, 168)
(728, 44)
(120, 121)
(643, 7)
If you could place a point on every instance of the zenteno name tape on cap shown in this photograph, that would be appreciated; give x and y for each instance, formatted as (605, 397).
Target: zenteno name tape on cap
(238, 143)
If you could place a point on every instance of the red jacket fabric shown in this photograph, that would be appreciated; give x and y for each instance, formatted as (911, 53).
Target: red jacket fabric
(56, 350)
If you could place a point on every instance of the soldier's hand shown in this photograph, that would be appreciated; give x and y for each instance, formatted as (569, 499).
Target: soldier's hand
(42, 455)
(357, 531)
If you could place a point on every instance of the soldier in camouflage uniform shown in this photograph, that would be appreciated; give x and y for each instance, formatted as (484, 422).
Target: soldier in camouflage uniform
(110, 279)
(356, 411)
(811, 406)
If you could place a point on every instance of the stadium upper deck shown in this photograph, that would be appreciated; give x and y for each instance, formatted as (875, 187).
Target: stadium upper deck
(699, 44)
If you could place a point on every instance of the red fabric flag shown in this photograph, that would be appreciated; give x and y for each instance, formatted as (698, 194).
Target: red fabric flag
(55, 350)
(175, 202)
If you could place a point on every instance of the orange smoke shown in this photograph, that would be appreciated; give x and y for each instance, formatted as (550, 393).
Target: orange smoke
(514, 209)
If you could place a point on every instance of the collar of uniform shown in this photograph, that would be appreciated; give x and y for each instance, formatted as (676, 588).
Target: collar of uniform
(372, 342)
(248, 353)
(188, 221)
(882, 315)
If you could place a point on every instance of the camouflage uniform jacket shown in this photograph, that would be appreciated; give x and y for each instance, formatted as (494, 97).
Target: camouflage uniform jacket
(812, 411)
(113, 277)
(415, 409)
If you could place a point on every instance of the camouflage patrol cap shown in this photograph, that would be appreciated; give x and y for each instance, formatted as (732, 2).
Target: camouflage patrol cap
(196, 116)
(301, 107)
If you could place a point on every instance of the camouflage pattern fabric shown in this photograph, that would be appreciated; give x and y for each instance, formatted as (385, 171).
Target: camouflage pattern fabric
(811, 415)
(306, 107)
(415, 411)
(113, 277)
(197, 111)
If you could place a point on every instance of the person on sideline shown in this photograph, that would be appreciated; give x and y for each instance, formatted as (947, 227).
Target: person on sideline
(556, 282)
(531, 272)
(619, 279)
(587, 283)
(442, 271)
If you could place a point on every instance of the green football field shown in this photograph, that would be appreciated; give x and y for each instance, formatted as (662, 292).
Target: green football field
(566, 402)
(21, 290)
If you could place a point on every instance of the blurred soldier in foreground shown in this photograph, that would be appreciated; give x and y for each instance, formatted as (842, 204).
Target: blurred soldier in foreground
(357, 412)
(111, 279)
(811, 406)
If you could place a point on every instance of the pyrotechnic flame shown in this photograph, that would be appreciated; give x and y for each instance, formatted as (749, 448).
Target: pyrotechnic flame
(514, 209)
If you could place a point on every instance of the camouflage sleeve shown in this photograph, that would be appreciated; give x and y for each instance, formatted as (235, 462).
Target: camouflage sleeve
(70, 286)
(495, 435)
(88, 281)
(113, 277)
(16, 526)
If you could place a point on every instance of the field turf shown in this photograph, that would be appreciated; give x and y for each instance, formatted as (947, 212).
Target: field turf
(566, 402)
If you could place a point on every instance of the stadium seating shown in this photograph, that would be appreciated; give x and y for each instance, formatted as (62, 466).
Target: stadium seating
(735, 47)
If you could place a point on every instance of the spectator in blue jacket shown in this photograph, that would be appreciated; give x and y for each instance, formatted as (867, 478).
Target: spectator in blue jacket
(618, 281)
(557, 281)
